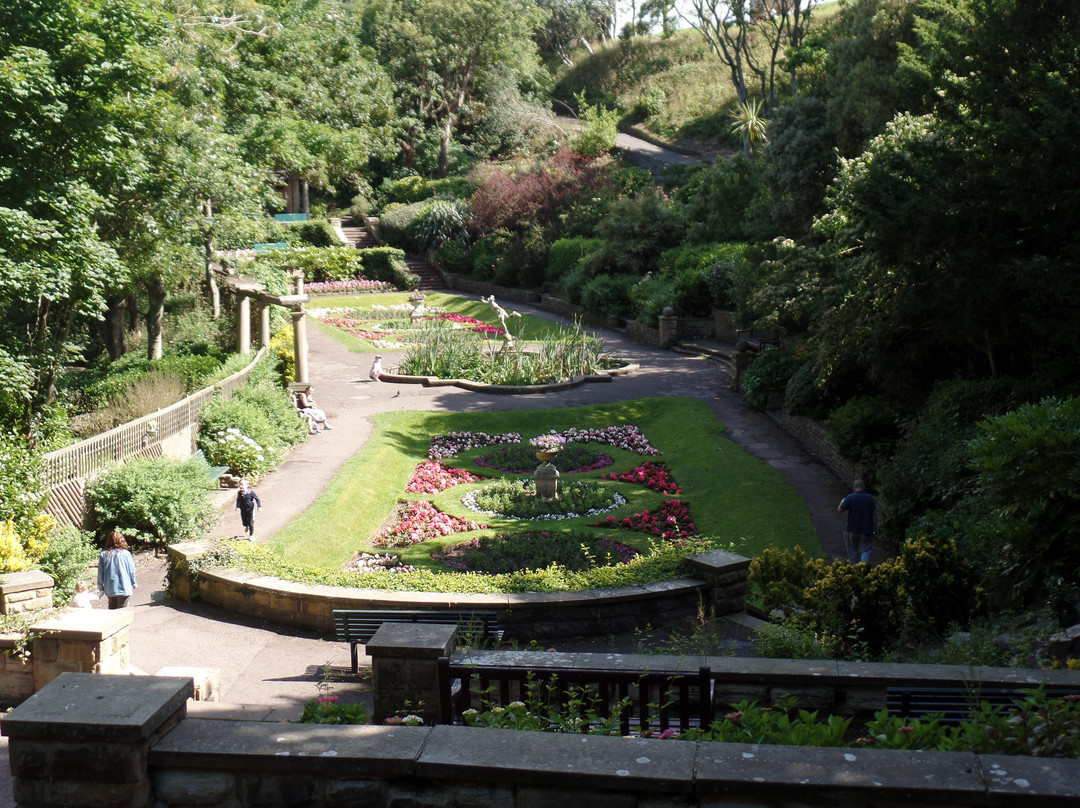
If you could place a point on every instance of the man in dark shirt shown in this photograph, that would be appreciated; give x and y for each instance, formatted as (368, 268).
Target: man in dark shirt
(861, 524)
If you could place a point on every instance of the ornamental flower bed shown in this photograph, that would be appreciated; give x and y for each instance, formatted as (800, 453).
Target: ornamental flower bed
(451, 443)
(356, 328)
(479, 326)
(431, 477)
(419, 521)
(653, 476)
(517, 499)
(671, 521)
(533, 549)
(351, 286)
(627, 437)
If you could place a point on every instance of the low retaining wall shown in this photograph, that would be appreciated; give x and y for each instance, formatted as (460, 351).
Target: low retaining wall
(509, 389)
(721, 584)
(103, 742)
(815, 439)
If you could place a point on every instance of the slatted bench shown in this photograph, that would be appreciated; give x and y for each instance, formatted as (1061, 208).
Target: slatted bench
(954, 704)
(358, 626)
(213, 473)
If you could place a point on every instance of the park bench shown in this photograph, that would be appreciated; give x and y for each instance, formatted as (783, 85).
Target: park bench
(213, 473)
(358, 626)
(289, 218)
(758, 341)
(954, 704)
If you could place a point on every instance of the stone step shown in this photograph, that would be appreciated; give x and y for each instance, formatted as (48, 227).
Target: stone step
(741, 625)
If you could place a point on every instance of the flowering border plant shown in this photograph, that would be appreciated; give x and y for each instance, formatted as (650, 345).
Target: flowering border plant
(551, 442)
(419, 521)
(431, 477)
(670, 521)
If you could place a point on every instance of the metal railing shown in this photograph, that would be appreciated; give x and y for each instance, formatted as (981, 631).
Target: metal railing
(639, 699)
(82, 459)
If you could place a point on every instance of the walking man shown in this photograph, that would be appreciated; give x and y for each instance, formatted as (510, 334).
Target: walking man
(247, 501)
(861, 524)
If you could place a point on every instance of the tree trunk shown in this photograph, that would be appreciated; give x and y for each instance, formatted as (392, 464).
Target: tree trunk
(134, 318)
(114, 329)
(444, 146)
(306, 206)
(155, 317)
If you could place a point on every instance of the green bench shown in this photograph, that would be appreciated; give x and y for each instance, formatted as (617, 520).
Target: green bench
(358, 626)
(213, 473)
(954, 704)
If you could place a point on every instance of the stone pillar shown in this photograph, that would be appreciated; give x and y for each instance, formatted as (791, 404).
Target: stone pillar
(300, 344)
(547, 481)
(84, 740)
(243, 325)
(728, 576)
(25, 592)
(405, 667)
(669, 328)
(740, 361)
(81, 641)
(264, 325)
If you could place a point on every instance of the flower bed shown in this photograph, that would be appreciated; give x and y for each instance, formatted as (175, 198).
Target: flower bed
(347, 287)
(653, 476)
(418, 521)
(534, 549)
(451, 443)
(517, 499)
(431, 477)
(671, 521)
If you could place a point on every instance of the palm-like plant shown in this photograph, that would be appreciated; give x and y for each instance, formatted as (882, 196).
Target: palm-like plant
(750, 125)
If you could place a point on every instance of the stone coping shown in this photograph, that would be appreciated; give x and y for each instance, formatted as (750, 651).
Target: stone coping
(483, 387)
(312, 605)
(98, 707)
(13, 582)
(683, 769)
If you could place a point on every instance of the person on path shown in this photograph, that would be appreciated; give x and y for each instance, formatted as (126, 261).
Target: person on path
(376, 368)
(861, 524)
(310, 410)
(246, 502)
(116, 571)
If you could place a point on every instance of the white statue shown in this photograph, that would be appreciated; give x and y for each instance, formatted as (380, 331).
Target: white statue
(502, 314)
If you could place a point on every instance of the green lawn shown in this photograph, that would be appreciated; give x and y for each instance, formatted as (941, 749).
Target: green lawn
(527, 328)
(732, 496)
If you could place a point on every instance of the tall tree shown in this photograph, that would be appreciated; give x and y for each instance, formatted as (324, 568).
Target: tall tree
(443, 53)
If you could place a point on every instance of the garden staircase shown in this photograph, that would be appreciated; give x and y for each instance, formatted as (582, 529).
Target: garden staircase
(430, 278)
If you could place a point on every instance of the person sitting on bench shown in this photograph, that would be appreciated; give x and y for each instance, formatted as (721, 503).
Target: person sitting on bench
(308, 408)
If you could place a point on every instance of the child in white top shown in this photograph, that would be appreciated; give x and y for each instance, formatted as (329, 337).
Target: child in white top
(376, 368)
(84, 598)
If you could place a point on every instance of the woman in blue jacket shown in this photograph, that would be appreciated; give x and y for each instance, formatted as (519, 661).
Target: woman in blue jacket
(116, 571)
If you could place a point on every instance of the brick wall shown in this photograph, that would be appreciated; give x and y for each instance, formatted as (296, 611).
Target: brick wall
(815, 440)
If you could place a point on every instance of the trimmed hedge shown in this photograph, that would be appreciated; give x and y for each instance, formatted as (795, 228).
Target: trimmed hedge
(387, 264)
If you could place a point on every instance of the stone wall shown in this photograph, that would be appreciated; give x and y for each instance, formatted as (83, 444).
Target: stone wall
(815, 439)
(67, 641)
(724, 327)
(101, 742)
(643, 334)
(719, 583)
(28, 591)
(696, 328)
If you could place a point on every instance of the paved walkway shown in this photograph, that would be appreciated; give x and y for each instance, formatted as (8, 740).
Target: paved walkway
(263, 664)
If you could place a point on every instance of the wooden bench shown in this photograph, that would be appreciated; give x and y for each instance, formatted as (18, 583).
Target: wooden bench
(358, 626)
(213, 473)
(954, 704)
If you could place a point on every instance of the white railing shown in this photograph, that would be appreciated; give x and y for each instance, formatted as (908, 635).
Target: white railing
(81, 459)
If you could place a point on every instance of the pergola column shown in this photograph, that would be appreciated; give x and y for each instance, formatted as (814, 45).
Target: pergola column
(243, 325)
(300, 344)
(264, 325)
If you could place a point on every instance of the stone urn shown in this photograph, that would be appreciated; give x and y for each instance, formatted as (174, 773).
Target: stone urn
(546, 475)
(416, 300)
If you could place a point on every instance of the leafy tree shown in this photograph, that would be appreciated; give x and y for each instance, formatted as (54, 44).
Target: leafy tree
(568, 22)
(443, 55)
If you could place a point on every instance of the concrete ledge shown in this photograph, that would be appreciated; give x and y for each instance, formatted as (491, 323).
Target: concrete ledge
(448, 765)
(529, 614)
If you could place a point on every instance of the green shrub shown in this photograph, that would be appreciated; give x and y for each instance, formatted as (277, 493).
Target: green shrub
(609, 294)
(1026, 463)
(650, 296)
(408, 190)
(600, 127)
(387, 264)
(272, 401)
(316, 233)
(564, 255)
(317, 263)
(360, 208)
(525, 259)
(69, 553)
(151, 501)
(574, 282)
(767, 377)
(865, 429)
(781, 577)
(257, 414)
(395, 225)
(438, 223)
(805, 394)
(456, 257)
(22, 490)
(242, 232)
